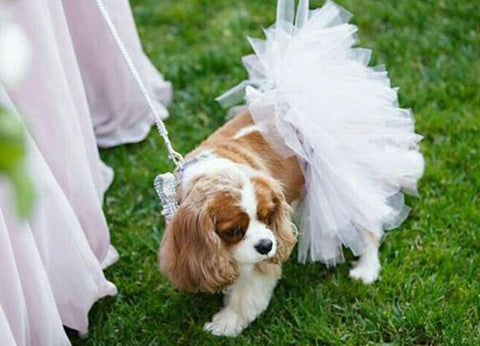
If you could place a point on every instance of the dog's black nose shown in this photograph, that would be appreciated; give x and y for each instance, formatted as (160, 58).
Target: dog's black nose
(264, 246)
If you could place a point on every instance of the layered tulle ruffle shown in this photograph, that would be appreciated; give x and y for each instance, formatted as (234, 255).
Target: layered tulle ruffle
(314, 96)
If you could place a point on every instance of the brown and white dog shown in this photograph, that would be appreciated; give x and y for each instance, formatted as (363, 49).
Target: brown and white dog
(234, 229)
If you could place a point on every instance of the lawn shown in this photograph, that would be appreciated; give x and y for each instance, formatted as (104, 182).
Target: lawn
(429, 292)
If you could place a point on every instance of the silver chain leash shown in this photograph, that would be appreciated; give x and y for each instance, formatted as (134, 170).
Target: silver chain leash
(165, 184)
(176, 157)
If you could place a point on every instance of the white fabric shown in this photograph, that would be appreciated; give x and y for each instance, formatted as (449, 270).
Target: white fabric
(314, 96)
(77, 87)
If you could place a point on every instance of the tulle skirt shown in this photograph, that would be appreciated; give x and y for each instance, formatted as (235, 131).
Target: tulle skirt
(314, 96)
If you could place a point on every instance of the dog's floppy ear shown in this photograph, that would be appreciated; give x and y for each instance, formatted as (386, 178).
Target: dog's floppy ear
(282, 225)
(192, 255)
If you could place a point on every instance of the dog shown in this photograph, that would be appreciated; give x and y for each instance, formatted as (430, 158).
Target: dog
(233, 229)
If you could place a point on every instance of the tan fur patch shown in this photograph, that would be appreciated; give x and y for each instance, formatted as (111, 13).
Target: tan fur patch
(231, 222)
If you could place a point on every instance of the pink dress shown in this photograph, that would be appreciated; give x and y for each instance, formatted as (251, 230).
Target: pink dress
(76, 95)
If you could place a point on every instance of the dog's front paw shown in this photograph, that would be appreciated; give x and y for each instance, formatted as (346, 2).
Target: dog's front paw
(225, 323)
(366, 271)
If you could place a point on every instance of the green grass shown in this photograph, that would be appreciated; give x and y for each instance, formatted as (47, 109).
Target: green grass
(429, 292)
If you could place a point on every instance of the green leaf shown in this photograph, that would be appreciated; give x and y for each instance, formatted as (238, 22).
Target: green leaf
(12, 155)
(24, 190)
(12, 141)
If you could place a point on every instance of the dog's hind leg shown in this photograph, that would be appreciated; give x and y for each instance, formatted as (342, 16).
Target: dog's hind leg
(367, 268)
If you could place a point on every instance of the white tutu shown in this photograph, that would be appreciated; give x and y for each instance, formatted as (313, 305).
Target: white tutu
(314, 96)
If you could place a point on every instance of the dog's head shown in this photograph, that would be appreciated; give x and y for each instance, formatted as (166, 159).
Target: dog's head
(225, 221)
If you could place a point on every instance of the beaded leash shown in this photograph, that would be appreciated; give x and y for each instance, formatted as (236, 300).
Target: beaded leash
(165, 184)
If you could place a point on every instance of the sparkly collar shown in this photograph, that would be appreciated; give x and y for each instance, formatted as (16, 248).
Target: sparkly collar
(205, 155)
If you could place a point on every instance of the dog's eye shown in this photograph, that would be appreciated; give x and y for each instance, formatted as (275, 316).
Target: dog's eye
(270, 217)
(235, 232)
